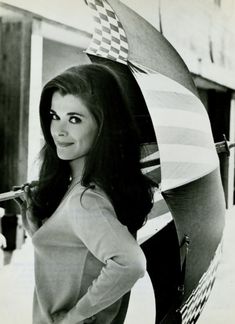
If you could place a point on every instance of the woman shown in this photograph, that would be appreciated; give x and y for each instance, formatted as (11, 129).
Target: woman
(90, 201)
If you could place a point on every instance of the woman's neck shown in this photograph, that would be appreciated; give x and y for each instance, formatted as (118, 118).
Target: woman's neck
(77, 167)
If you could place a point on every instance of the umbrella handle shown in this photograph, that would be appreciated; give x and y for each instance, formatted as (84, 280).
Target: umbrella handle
(224, 146)
(17, 191)
(11, 195)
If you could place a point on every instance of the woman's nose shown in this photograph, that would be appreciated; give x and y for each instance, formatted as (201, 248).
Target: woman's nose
(62, 133)
(60, 129)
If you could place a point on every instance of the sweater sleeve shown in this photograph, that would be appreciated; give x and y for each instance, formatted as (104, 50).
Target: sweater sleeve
(96, 224)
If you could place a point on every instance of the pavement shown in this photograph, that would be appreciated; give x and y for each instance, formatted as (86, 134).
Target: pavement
(17, 281)
(16, 287)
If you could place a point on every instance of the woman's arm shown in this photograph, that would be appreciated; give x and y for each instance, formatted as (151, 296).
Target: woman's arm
(95, 223)
(31, 224)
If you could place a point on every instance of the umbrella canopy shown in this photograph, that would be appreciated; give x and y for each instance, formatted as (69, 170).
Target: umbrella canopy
(179, 155)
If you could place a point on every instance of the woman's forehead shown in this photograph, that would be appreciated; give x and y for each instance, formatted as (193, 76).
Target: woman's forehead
(68, 103)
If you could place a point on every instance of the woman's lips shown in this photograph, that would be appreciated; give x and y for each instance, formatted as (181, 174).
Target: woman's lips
(63, 144)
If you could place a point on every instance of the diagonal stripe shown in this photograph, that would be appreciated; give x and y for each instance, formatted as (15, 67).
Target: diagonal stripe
(176, 101)
(152, 227)
(154, 80)
(154, 174)
(180, 118)
(193, 147)
(183, 164)
(151, 169)
(174, 170)
(184, 136)
(152, 156)
(158, 218)
(150, 163)
(187, 153)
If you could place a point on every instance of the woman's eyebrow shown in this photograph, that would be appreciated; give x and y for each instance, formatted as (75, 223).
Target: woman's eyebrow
(69, 114)
(75, 113)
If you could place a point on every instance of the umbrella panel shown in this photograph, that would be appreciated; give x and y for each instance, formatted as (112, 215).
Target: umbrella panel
(201, 217)
(191, 202)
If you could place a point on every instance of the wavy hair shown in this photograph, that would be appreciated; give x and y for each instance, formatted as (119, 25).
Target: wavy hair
(113, 162)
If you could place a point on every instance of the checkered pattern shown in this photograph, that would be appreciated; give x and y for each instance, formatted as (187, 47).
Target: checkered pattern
(193, 307)
(109, 39)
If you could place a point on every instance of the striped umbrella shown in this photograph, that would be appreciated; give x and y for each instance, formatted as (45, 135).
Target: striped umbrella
(182, 237)
(183, 234)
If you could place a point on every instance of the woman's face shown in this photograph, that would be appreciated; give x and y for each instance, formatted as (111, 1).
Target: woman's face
(73, 127)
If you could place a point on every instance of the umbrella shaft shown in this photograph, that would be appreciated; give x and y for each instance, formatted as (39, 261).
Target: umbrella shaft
(224, 146)
(221, 147)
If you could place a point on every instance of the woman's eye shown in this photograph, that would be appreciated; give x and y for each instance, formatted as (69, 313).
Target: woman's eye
(75, 120)
(54, 116)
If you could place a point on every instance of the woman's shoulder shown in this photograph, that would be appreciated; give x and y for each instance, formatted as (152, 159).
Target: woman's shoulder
(90, 197)
(91, 206)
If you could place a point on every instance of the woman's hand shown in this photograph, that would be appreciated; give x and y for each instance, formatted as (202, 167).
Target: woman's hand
(30, 222)
(60, 318)
(90, 320)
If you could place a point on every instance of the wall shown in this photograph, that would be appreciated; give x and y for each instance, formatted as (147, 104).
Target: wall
(72, 13)
(202, 31)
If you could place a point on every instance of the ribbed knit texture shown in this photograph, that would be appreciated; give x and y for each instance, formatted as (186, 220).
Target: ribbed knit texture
(85, 261)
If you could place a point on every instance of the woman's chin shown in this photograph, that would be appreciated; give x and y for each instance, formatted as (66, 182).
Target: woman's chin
(65, 157)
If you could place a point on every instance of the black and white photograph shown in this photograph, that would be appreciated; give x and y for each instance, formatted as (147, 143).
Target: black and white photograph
(117, 164)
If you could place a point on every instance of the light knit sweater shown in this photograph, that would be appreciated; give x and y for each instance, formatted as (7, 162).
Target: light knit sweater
(85, 261)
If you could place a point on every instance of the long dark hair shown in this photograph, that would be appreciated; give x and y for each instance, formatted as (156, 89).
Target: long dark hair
(113, 163)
